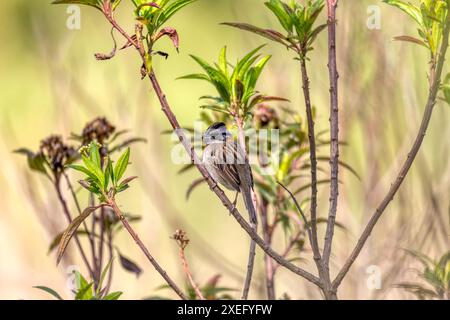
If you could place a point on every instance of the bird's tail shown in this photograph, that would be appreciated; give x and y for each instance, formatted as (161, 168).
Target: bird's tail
(247, 193)
(248, 201)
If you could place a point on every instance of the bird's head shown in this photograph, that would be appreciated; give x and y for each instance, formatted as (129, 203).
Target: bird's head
(217, 132)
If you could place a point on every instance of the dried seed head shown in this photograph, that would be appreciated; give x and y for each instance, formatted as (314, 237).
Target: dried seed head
(57, 153)
(181, 238)
(99, 129)
(266, 117)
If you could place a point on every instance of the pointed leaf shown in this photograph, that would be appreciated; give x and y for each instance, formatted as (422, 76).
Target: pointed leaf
(122, 164)
(71, 229)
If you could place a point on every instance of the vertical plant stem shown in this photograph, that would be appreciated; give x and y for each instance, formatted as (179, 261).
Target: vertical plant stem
(252, 249)
(312, 157)
(189, 275)
(134, 235)
(62, 200)
(268, 262)
(111, 256)
(334, 132)
(101, 242)
(435, 80)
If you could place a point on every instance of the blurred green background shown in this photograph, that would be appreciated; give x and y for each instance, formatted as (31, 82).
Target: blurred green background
(51, 83)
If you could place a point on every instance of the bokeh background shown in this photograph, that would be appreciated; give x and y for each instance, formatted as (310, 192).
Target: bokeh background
(51, 83)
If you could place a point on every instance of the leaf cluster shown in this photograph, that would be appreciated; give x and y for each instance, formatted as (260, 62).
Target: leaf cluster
(236, 85)
(297, 20)
(430, 16)
(435, 274)
(103, 180)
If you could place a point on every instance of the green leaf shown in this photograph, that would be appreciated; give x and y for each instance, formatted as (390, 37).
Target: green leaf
(93, 3)
(167, 12)
(216, 78)
(122, 164)
(410, 9)
(83, 170)
(85, 293)
(94, 169)
(71, 229)
(95, 154)
(49, 291)
(223, 64)
(195, 76)
(113, 296)
(256, 72)
(276, 6)
(36, 162)
(266, 33)
(103, 276)
(109, 174)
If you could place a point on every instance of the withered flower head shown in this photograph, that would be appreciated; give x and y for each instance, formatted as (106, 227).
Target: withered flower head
(99, 129)
(57, 153)
(265, 116)
(181, 238)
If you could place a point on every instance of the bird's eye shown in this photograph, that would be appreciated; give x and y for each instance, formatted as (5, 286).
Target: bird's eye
(224, 134)
(213, 137)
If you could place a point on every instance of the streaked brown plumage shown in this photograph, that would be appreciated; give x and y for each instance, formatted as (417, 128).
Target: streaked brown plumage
(227, 164)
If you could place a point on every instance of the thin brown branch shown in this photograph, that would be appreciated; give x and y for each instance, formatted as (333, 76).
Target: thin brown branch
(435, 80)
(313, 159)
(189, 275)
(268, 262)
(134, 235)
(334, 132)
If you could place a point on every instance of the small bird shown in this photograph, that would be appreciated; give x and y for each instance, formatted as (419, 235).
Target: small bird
(227, 164)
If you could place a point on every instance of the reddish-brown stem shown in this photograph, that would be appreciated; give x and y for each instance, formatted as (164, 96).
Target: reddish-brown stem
(134, 235)
(189, 275)
(334, 132)
(435, 80)
(268, 262)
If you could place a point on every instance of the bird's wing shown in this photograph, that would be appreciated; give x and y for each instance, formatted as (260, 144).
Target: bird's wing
(219, 159)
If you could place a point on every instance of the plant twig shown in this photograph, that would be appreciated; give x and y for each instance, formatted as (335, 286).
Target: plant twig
(334, 131)
(313, 159)
(252, 249)
(112, 203)
(334, 145)
(435, 80)
(182, 241)
(268, 262)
